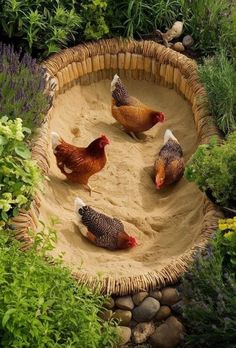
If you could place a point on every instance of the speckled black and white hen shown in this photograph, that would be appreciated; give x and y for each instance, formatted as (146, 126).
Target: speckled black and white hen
(102, 230)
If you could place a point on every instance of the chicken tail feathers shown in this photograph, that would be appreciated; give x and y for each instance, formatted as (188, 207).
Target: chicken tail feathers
(113, 82)
(119, 91)
(79, 203)
(169, 135)
(56, 140)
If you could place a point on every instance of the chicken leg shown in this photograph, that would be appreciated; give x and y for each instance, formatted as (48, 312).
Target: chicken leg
(91, 189)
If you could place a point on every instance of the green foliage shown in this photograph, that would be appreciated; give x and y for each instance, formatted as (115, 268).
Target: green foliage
(130, 18)
(93, 14)
(42, 26)
(218, 76)
(227, 241)
(210, 302)
(212, 23)
(42, 306)
(22, 85)
(19, 176)
(213, 168)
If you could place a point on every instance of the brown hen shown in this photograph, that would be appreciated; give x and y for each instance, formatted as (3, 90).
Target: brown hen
(169, 166)
(78, 164)
(131, 113)
(102, 230)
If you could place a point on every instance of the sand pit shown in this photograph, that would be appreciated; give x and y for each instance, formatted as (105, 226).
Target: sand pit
(166, 223)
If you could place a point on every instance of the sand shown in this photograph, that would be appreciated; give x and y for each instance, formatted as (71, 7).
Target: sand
(166, 223)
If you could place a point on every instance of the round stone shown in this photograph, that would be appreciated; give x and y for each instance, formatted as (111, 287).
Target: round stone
(168, 335)
(170, 296)
(163, 313)
(123, 316)
(142, 332)
(187, 41)
(156, 294)
(139, 297)
(124, 302)
(106, 314)
(178, 46)
(109, 303)
(124, 334)
(146, 310)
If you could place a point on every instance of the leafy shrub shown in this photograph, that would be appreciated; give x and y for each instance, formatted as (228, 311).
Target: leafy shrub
(130, 18)
(19, 175)
(93, 15)
(228, 241)
(42, 306)
(210, 304)
(42, 26)
(22, 86)
(219, 78)
(212, 23)
(213, 168)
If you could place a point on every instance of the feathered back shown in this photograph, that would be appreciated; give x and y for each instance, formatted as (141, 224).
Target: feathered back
(119, 91)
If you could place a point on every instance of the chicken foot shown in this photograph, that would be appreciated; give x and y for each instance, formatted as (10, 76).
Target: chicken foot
(91, 189)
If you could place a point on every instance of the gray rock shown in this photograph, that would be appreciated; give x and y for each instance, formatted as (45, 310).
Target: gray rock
(106, 314)
(177, 308)
(146, 310)
(168, 335)
(187, 41)
(109, 303)
(123, 316)
(163, 313)
(124, 334)
(156, 294)
(142, 332)
(170, 296)
(124, 302)
(139, 297)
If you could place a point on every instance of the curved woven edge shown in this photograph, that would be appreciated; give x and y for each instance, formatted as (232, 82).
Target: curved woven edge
(147, 60)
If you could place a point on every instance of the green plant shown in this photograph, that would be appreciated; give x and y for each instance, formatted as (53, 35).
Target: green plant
(19, 175)
(41, 306)
(210, 305)
(227, 241)
(41, 26)
(218, 76)
(132, 17)
(22, 85)
(212, 23)
(213, 168)
(93, 14)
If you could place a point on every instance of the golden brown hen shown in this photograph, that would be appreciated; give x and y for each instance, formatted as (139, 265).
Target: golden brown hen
(79, 163)
(102, 230)
(169, 167)
(134, 116)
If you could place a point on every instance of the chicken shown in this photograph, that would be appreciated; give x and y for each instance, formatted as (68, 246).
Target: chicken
(79, 163)
(169, 167)
(102, 230)
(134, 116)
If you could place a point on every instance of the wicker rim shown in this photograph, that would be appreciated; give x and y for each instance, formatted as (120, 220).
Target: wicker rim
(148, 60)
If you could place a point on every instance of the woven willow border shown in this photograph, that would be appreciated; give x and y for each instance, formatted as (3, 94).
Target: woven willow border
(147, 60)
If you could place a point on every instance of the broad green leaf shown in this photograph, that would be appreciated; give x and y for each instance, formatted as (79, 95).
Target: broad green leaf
(22, 151)
(7, 316)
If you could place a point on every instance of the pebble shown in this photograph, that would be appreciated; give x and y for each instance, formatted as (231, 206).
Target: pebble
(109, 303)
(125, 302)
(163, 313)
(142, 332)
(168, 335)
(106, 314)
(124, 334)
(156, 294)
(146, 310)
(170, 296)
(123, 316)
(178, 46)
(187, 41)
(139, 297)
